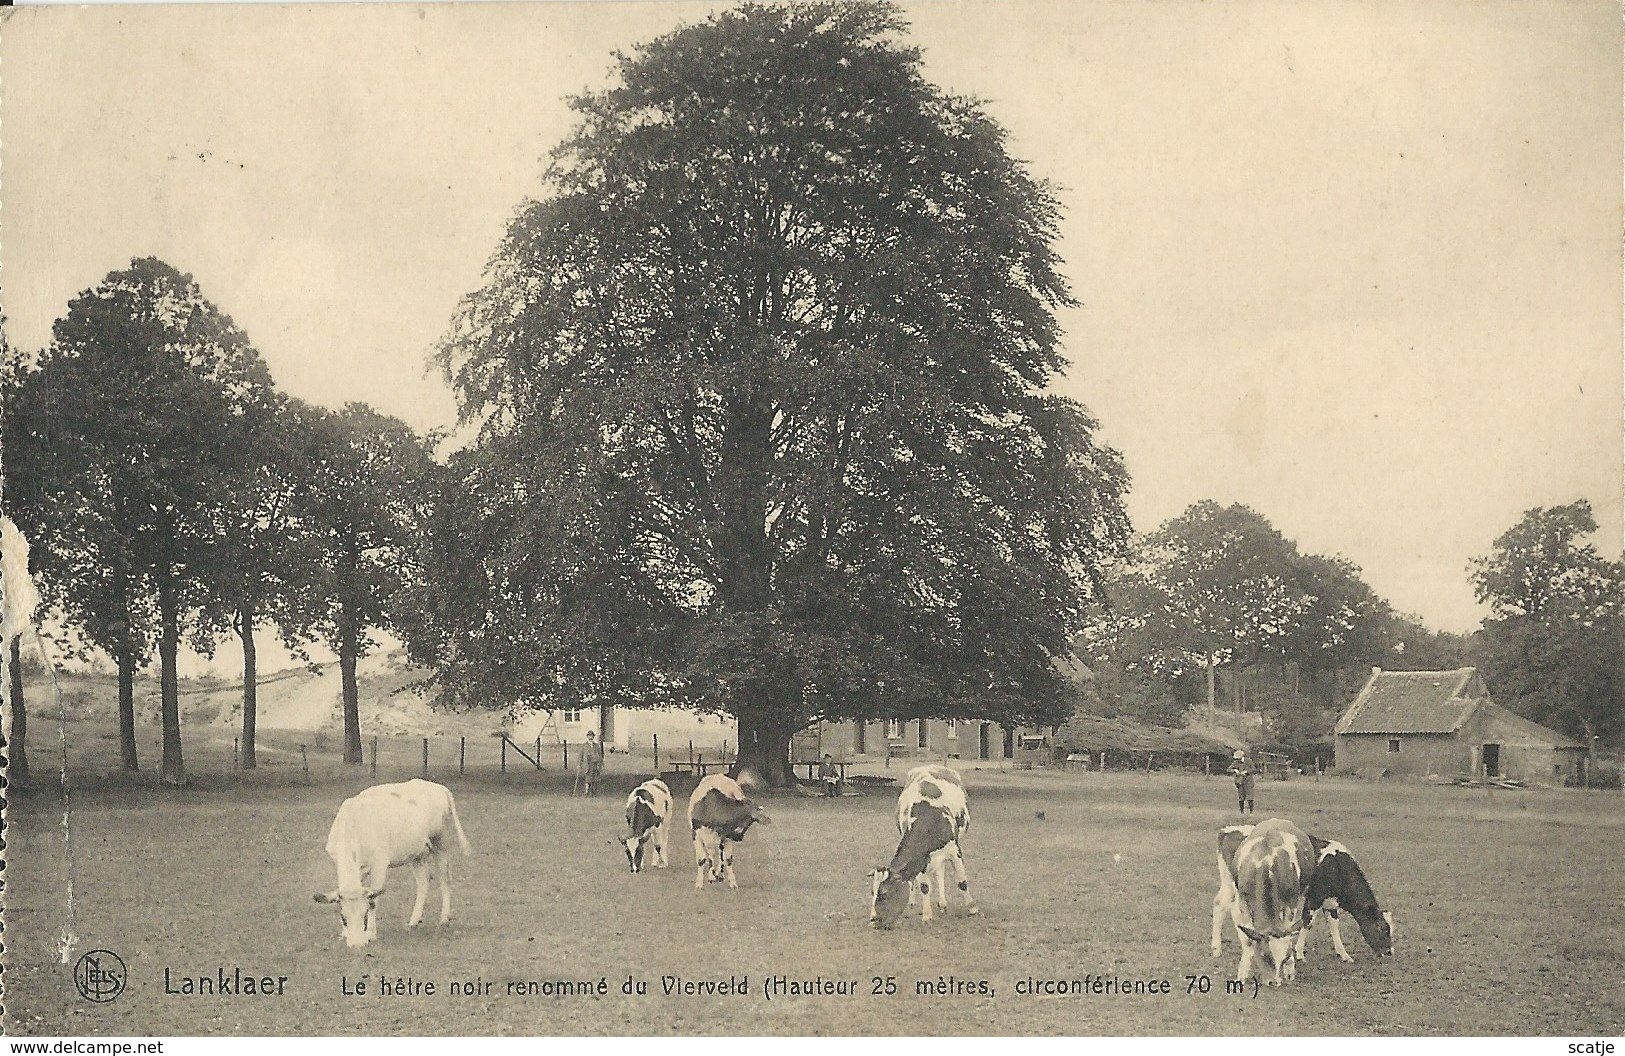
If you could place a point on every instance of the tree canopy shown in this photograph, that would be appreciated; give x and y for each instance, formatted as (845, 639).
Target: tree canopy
(123, 439)
(762, 387)
(1220, 586)
(1554, 647)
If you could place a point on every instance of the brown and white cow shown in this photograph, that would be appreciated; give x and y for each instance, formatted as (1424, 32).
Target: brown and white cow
(1264, 877)
(932, 817)
(382, 827)
(1338, 884)
(719, 813)
(648, 808)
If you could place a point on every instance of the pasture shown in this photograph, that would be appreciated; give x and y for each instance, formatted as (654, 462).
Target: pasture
(1508, 913)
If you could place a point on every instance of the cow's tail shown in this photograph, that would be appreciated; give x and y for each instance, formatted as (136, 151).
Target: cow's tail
(456, 822)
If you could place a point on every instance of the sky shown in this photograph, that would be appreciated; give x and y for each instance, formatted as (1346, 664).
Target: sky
(1354, 265)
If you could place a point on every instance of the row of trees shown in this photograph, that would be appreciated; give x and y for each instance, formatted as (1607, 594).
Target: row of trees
(1217, 594)
(176, 498)
(762, 395)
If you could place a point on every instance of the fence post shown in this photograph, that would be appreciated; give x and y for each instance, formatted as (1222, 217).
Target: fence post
(538, 751)
(691, 751)
(462, 753)
(425, 757)
(656, 737)
(234, 753)
(1148, 757)
(375, 757)
(566, 746)
(504, 754)
(304, 761)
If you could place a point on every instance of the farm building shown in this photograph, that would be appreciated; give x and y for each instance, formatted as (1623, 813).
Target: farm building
(630, 728)
(1415, 723)
(965, 739)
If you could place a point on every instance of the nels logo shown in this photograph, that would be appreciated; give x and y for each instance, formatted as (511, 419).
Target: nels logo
(99, 976)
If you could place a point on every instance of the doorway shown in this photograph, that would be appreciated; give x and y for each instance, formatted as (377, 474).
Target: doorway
(857, 737)
(1492, 760)
(982, 739)
(1009, 742)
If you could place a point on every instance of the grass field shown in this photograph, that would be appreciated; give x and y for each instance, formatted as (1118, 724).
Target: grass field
(1509, 915)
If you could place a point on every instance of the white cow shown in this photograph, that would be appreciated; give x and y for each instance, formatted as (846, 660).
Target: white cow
(932, 818)
(385, 826)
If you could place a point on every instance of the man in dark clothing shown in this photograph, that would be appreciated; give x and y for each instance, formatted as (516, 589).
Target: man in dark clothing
(830, 775)
(1243, 773)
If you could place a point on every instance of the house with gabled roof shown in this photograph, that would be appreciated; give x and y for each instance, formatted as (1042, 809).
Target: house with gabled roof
(1417, 723)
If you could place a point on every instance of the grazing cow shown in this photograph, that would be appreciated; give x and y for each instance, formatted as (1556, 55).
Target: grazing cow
(648, 809)
(1264, 877)
(385, 826)
(720, 814)
(1338, 883)
(932, 818)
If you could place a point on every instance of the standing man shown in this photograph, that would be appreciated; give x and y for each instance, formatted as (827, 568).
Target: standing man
(1243, 773)
(591, 766)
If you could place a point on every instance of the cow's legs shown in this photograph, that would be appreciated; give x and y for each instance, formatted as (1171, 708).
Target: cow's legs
(1303, 935)
(964, 884)
(939, 871)
(660, 845)
(727, 853)
(925, 892)
(1337, 939)
(420, 873)
(1244, 967)
(701, 860)
(442, 866)
(1221, 908)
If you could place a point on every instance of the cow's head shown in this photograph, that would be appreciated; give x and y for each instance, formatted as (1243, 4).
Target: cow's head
(357, 913)
(633, 846)
(888, 896)
(1379, 933)
(1277, 952)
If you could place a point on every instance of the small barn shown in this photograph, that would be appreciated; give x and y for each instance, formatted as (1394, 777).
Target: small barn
(1415, 723)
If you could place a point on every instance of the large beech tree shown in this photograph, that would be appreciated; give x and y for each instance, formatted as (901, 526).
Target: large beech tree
(763, 393)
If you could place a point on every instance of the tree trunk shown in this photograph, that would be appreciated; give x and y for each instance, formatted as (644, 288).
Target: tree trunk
(171, 771)
(126, 707)
(348, 648)
(17, 744)
(764, 745)
(245, 631)
(1212, 684)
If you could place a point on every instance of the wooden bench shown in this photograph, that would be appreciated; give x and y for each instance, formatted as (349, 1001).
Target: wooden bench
(698, 768)
(812, 769)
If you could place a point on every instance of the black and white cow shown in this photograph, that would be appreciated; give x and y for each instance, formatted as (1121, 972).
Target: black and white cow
(1340, 884)
(648, 808)
(720, 813)
(932, 817)
(1337, 884)
(1264, 876)
(382, 827)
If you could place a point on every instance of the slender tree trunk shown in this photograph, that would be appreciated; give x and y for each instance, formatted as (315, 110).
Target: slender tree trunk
(126, 706)
(1212, 682)
(245, 631)
(172, 771)
(17, 744)
(348, 648)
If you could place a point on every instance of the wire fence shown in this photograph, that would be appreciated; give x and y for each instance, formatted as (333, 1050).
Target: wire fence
(93, 754)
